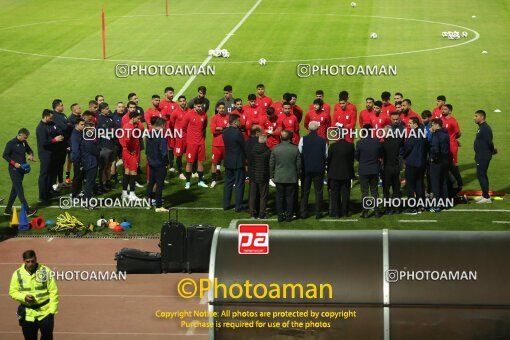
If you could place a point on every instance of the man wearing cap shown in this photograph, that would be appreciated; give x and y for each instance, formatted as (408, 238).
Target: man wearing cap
(33, 285)
(15, 154)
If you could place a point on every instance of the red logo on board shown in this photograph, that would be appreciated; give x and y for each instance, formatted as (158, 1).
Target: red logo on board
(253, 239)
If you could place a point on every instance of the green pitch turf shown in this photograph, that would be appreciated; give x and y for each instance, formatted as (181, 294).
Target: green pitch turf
(52, 49)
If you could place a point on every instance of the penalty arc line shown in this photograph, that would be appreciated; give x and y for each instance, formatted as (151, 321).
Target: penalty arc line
(220, 45)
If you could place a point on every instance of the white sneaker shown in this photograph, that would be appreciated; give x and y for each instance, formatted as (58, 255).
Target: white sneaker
(166, 181)
(213, 184)
(195, 175)
(161, 210)
(172, 170)
(133, 197)
(56, 187)
(187, 185)
(124, 196)
(119, 162)
(484, 200)
(181, 176)
(138, 185)
(299, 182)
(478, 198)
(271, 183)
(202, 184)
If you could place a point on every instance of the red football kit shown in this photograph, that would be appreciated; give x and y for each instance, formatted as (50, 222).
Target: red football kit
(195, 124)
(322, 117)
(273, 134)
(325, 108)
(218, 147)
(388, 108)
(365, 117)
(242, 121)
(345, 118)
(452, 126)
(176, 124)
(253, 115)
(289, 122)
(130, 146)
(263, 102)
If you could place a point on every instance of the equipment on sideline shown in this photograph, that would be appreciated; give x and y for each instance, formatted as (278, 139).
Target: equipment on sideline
(125, 225)
(23, 224)
(25, 168)
(68, 223)
(198, 248)
(37, 223)
(134, 261)
(14, 219)
(173, 245)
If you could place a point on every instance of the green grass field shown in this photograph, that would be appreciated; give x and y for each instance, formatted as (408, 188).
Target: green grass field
(52, 49)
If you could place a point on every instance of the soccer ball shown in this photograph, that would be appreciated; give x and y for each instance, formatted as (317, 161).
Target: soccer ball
(373, 35)
(444, 34)
(211, 53)
(217, 53)
(464, 34)
(225, 54)
(262, 61)
(353, 4)
(451, 36)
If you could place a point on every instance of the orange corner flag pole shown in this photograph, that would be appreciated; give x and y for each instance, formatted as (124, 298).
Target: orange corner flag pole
(103, 33)
(166, 7)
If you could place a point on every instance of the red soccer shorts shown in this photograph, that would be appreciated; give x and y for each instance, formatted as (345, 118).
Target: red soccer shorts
(194, 152)
(130, 161)
(179, 147)
(218, 154)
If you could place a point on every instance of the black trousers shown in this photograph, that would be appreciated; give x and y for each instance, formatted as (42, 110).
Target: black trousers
(237, 177)
(438, 176)
(414, 182)
(285, 199)
(258, 198)
(318, 183)
(45, 174)
(16, 189)
(156, 176)
(90, 177)
(482, 166)
(60, 160)
(77, 179)
(340, 196)
(391, 181)
(366, 183)
(30, 329)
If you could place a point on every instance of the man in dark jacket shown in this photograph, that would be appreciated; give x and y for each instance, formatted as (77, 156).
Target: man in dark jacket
(76, 139)
(61, 121)
(393, 156)
(313, 153)
(15, 154)
(89, 156)
(235, 159)
(48, 136)
(250, 143)
(340, 173)
(105, 128)
(284, 170)
(414, 154)
(368, 151)
(258, 160)
(156, 151)
(439, 159)
(484, 149)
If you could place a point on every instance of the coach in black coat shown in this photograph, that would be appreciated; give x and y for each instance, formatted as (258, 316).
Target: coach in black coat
(368, 152)
(259, 177)
(340, 173)
(313, 153)
(235, 159)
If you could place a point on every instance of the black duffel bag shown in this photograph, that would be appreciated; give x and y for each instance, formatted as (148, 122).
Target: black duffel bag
(135, 261)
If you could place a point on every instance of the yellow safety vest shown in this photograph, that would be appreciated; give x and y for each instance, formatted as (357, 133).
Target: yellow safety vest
(41, 285)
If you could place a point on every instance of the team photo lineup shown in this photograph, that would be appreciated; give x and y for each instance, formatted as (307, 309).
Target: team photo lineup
(254, 148)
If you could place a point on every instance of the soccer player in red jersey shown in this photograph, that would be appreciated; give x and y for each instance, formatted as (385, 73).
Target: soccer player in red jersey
(387, 107)
(407, 113)
(263, 101)
(177, 127)
(252, 112)
(130, 142)
(379, 120)
(269, 126)
(94, 109)
(438, 110)
(167, 105)
(319, 115)
(296, 109)
(278, 110)
(238, 102)
(452, 126)
(350, 106)
(287, 121)
(195, 125)
(345, 119)
(153, 111)
(319, 94)
(398, 97)
(365, 116)
(219, 122)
